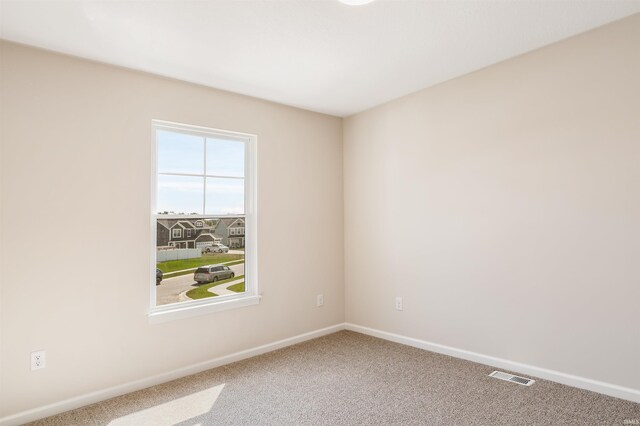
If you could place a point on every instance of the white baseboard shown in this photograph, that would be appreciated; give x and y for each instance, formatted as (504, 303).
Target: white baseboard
(101, 395)
(543, 373)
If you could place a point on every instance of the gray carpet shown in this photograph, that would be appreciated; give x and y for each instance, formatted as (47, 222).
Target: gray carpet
(351, 379)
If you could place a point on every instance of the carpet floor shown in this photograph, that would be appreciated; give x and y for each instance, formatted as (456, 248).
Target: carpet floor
(348, 378)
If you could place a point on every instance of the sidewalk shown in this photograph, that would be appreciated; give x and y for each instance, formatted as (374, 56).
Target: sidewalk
(220, 290)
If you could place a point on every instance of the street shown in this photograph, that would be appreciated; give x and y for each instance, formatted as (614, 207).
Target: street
(169, 290)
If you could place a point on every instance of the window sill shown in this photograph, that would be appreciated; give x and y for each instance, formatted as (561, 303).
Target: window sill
(191, 309)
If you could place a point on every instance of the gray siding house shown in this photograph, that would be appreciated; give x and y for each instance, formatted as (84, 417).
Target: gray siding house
(186, 233)
(231, 230)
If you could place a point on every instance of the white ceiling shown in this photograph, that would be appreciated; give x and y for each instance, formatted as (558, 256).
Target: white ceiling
(320, 55)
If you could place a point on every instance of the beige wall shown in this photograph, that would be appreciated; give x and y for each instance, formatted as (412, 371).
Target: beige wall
(76, 140)
(504, 207)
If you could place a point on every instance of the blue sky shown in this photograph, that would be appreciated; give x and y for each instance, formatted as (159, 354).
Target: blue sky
(180, 153)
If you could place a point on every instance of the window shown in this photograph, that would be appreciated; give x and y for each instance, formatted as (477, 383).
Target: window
(202, 177)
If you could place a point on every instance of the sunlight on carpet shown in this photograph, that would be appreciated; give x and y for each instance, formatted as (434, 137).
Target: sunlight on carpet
(172, 412)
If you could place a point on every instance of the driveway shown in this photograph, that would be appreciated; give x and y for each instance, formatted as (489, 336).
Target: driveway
(170, 288)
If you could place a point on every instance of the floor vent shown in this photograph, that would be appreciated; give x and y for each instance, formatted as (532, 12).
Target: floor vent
(511, 378)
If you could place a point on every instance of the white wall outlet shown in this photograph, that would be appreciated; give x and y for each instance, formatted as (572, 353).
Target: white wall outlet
(320, 300)
(398, 303)
(38, 360)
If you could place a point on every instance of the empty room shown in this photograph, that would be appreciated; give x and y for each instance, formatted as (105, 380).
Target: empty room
(319, 212)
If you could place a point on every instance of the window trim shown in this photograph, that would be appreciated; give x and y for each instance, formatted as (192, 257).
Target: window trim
(251, 296)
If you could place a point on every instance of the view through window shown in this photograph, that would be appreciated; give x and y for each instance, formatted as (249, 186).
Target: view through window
(200, 218)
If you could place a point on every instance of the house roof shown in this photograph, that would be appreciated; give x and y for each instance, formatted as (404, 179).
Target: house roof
(207, 236)
(229, 221)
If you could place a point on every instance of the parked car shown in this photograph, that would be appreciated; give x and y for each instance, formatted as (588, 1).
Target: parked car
(159, 275)
(212, 273)
(216, 248)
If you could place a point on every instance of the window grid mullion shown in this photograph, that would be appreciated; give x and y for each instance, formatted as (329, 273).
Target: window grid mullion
(199, 175)
(204, 178)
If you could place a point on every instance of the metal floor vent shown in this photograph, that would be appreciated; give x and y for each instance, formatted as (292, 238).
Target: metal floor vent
(511, 378)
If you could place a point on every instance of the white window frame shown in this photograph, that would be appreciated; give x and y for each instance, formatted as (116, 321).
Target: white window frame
(175, 234)
(251, 296)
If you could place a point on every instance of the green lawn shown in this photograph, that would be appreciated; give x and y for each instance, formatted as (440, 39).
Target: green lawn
(238, 288)
(203, 291)
(206, 259)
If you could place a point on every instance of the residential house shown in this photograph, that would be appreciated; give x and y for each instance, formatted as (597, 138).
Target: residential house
(231, 231)
(186, 233)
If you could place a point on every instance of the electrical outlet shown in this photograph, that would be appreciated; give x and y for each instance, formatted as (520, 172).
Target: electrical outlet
(320, 300)
(38, 360)
(398, 303)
